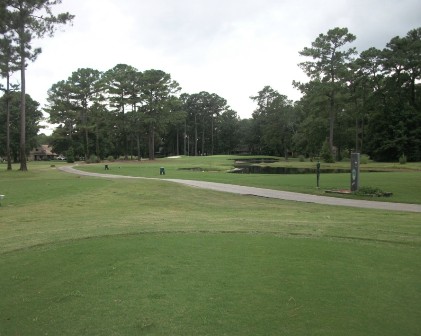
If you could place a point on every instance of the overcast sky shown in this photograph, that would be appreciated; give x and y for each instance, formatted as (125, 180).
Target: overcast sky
(229, 47)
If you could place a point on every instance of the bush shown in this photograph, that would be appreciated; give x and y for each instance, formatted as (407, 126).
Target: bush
(402, 159)
(70, 155)
(111, 158)
(364, 158)
(93, 159)
(301, 158)
(372, 191)
(326, 154)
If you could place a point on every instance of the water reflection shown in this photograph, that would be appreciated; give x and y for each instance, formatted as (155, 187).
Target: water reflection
(241, 168)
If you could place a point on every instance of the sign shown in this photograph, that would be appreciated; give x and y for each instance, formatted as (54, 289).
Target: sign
(355, 171)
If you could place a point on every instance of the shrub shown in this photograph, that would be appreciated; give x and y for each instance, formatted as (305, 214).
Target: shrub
(372, 191)
(364, 158)
(93, 159)
(110, 158)
(70, 155)
(301, 158)
(346, 154)
(326, 154)
(402, 159)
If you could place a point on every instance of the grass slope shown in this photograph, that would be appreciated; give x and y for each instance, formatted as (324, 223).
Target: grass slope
(81, 255)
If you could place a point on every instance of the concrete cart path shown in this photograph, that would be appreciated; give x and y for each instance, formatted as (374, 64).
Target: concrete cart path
(269, 193)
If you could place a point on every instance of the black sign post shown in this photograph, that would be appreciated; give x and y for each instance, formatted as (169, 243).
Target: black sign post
(355, 171)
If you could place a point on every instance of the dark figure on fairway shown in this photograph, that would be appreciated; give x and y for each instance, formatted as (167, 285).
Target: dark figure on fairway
(106, 167)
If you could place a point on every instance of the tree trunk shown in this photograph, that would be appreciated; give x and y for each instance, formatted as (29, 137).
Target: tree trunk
(151, 142)
(9, 158)
(97, 140)
(125, 136)
(331, 121)
(195, 135)
(212, 146)
(22, 144)
(178, 144)
(185, 138)
(138, 146)
(87, 154)
(203, 138)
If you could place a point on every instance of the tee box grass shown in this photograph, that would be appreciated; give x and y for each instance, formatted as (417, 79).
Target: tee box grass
(92, 256)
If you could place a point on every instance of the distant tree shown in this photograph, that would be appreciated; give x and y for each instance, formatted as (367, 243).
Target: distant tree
(34, 116)
(394, 123)
(203, 110)
(122, 87)
(176, 122)
(26, 20)
(245, 136)
(329, 66)
(157, 88)
(229, 137)
(61, 108)
(192, 104)
(8, 56)
(75, 104)
(275, 117)
(216, 107)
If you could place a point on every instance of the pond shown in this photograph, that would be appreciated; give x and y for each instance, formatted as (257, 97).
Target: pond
(252, 169)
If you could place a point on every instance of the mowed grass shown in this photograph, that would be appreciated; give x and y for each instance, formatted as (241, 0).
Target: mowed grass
(92, 256)
(404, 181)
(210, 284)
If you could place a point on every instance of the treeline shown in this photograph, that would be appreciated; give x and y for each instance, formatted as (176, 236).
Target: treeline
(124, 112)
(367, 102)
(370, 102)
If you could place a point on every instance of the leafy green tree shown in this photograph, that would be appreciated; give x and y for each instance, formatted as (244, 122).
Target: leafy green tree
(216, 106)
(75, 104)
(326, 154)
(329, 66)
(175, 129)
(157, 88)
(192, 105)
(122, 87)
(229, 137)
(275, 116)
(203, 110)
(29, 19)
(245, 136)
(61, 108)
(364, 87)
(394, 103)
(34, 116)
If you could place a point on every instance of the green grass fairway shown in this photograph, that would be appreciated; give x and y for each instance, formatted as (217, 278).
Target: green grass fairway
(94, 256)
(404, 181)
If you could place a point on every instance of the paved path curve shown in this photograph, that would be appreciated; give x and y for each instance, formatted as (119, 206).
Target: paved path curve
(270, 193)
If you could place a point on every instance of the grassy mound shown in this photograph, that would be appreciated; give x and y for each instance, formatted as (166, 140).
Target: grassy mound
(92, 256)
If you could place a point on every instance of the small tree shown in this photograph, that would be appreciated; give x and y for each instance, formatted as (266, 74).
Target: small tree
(326, 154)
(70, 155)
